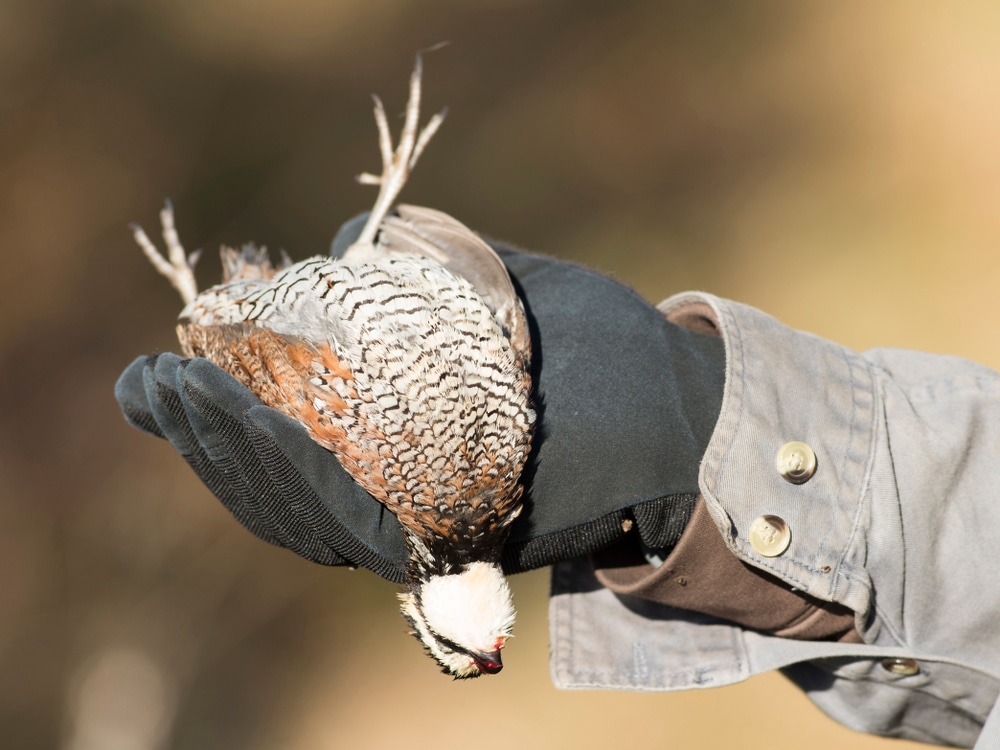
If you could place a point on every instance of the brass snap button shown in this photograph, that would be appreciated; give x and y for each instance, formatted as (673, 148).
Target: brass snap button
(796, 462)
(900, 666)
(770, 535)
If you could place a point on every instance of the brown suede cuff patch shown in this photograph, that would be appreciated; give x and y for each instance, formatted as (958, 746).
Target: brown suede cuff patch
(702, 575)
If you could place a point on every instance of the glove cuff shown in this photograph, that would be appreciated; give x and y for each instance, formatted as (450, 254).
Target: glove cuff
(656, 523)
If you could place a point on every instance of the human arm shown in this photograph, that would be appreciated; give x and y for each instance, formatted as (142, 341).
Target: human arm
(897, 525)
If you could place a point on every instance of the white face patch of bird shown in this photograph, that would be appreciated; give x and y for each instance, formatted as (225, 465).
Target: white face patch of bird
(408, 359)
(463, 619)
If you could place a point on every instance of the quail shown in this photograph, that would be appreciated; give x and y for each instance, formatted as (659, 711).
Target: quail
(408, 359)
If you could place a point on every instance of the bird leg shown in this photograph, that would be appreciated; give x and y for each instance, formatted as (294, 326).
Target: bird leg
(396, 165)
(178, 266)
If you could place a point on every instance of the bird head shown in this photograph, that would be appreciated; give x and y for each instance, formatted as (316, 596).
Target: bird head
(463, 619)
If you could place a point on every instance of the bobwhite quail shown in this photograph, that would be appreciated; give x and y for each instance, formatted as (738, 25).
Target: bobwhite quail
(408, 359)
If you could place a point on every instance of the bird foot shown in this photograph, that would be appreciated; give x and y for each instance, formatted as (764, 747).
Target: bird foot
(396, 165)
(178, 265)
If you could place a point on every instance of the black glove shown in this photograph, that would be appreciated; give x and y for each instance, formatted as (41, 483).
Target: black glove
(626, 402)
(261, 464)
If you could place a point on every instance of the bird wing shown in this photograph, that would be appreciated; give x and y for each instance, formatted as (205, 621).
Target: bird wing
(439, 237)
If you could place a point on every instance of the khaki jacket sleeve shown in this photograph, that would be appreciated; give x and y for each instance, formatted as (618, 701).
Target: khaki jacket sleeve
(897, 522)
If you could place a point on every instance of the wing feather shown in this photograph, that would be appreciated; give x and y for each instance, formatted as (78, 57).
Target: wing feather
(439, 237)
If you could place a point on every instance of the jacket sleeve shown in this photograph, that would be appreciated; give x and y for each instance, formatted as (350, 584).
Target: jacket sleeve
(895, 521)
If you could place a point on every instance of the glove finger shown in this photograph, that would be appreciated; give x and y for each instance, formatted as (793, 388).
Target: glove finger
(216, 405)
(130, 392)
(160, 383)
(341, 514)
(160, 378)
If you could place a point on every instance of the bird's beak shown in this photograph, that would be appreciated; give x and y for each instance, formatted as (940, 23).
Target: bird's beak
(488, 662)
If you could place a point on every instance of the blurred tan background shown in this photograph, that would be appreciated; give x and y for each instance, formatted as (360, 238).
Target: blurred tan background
(837, 164)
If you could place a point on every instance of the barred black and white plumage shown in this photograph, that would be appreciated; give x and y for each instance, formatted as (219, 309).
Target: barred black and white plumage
(408, 359)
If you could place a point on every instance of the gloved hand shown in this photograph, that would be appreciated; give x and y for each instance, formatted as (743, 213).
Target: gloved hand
(626, 403)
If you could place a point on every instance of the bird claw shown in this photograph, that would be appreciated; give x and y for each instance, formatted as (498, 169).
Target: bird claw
(396, 164)
(178, 265)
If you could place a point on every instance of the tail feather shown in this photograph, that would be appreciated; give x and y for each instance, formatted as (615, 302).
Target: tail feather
(250, 263)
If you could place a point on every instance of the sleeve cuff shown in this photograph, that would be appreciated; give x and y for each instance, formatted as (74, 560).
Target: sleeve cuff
(702, 575)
